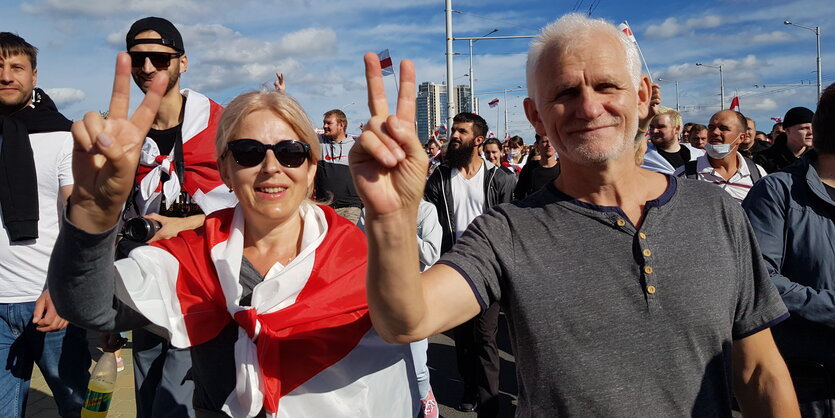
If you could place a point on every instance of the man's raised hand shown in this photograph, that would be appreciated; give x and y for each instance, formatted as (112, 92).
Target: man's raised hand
(388, 163)
(106, 151)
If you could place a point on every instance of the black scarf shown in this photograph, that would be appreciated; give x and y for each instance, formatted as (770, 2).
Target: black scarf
(18, 178)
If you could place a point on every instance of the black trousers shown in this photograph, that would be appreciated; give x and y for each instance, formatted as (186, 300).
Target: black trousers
(478, 359)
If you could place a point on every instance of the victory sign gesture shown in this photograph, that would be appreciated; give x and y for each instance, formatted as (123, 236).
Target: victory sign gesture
(388, 163)
(106, 152)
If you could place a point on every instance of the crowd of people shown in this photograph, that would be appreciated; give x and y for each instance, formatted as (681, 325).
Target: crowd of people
(267, 270)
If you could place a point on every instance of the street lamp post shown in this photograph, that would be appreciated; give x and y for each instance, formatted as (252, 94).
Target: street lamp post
(817, 31)
(449, 76)
(676, 81)
(721, 83)
(472, 77)
(517, 88)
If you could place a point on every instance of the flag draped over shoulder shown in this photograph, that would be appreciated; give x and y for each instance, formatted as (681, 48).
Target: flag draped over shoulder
(306, 346)
(201, 178)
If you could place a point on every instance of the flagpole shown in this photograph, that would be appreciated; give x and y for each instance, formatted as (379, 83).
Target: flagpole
(649, 74)
(396, 84)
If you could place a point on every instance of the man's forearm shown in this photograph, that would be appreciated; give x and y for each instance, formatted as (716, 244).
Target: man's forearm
(762, 383)
(395, 293)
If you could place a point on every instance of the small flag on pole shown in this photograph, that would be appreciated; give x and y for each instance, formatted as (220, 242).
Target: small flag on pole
(385, 62)
(493, 103)
(735, 103)
(777, 120)
(624, 27)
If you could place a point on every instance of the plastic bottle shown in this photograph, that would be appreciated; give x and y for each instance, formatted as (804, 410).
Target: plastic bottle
(101, 387)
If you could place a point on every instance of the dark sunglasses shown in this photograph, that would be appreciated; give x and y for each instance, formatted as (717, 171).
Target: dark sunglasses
(160, 60)
(249, 152)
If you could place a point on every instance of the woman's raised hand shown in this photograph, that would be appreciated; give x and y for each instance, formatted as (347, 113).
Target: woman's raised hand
(388, 163)
(106, 151)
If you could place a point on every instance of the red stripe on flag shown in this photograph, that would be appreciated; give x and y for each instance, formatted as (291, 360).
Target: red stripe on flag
(385, 62)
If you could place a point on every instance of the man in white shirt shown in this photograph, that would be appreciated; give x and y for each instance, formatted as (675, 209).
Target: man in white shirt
(35, 181)
(723, 165)
(461, 189)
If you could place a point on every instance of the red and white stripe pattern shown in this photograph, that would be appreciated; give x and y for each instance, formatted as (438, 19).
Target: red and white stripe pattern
(202, 180)
(306, 346)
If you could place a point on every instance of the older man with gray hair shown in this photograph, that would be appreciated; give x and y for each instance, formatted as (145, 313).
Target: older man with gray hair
(606, 317)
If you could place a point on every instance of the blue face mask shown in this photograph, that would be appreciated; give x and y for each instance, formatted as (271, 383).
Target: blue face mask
(717, 152)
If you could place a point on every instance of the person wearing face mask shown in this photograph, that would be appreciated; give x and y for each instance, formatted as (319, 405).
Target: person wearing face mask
(722, 164)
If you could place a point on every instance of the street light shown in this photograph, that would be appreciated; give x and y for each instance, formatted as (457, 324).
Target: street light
(517, 88)
(676, 81)
(721, 82)
(817, 31)
(472, 77)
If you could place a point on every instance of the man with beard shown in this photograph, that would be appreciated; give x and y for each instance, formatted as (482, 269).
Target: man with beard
(461, 189)
(664, 134)
(35, 181)
(333, 178)
(177, 185)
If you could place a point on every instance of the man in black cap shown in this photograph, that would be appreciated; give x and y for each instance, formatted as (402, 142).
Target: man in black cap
(35, 180)
(791, 144)
(177, 185)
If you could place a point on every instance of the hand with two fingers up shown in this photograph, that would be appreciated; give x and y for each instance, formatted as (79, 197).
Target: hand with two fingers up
(106, 152)
(388, 163)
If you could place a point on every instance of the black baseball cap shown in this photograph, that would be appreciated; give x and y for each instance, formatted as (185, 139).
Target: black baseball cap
(170, 36)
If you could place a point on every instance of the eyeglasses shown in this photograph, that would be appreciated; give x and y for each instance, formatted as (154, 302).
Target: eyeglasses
(160, 60)
(249, 152)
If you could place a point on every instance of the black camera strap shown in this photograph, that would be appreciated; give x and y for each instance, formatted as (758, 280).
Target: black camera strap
(179, 161)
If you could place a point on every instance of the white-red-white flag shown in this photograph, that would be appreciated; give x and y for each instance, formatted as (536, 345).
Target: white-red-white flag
(493, 103)
(385, 62)
(735, 103)
(306, 350)
(624, 27)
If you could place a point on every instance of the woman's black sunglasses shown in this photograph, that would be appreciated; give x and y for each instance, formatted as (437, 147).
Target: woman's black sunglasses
(249, 152)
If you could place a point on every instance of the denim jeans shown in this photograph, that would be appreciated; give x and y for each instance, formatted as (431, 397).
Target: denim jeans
(62, 356)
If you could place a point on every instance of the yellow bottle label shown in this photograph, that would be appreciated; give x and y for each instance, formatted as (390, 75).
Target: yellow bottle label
(99, 395)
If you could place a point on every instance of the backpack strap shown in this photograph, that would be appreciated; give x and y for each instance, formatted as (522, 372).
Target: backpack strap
(690, 170)
(752, 168)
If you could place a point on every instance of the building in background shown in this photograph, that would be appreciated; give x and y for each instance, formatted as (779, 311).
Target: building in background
(431, 106)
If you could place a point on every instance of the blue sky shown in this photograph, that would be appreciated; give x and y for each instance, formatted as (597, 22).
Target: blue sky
(237, 46)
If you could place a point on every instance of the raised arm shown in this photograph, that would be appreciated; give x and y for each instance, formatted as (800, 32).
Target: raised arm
(105, 155)
(388, 166)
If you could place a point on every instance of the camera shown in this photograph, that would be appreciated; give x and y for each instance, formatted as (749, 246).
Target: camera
(140, 229)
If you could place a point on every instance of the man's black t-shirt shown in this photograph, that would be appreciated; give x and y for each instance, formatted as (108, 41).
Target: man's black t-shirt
(676, 159)
(165, 138)
(534, 177)
(830, 190)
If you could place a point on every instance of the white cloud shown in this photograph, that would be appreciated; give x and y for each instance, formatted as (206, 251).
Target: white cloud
(771, 37)
(758, 104)
(704, 22)
(110, 7)
(64, 96)
(669, 28)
